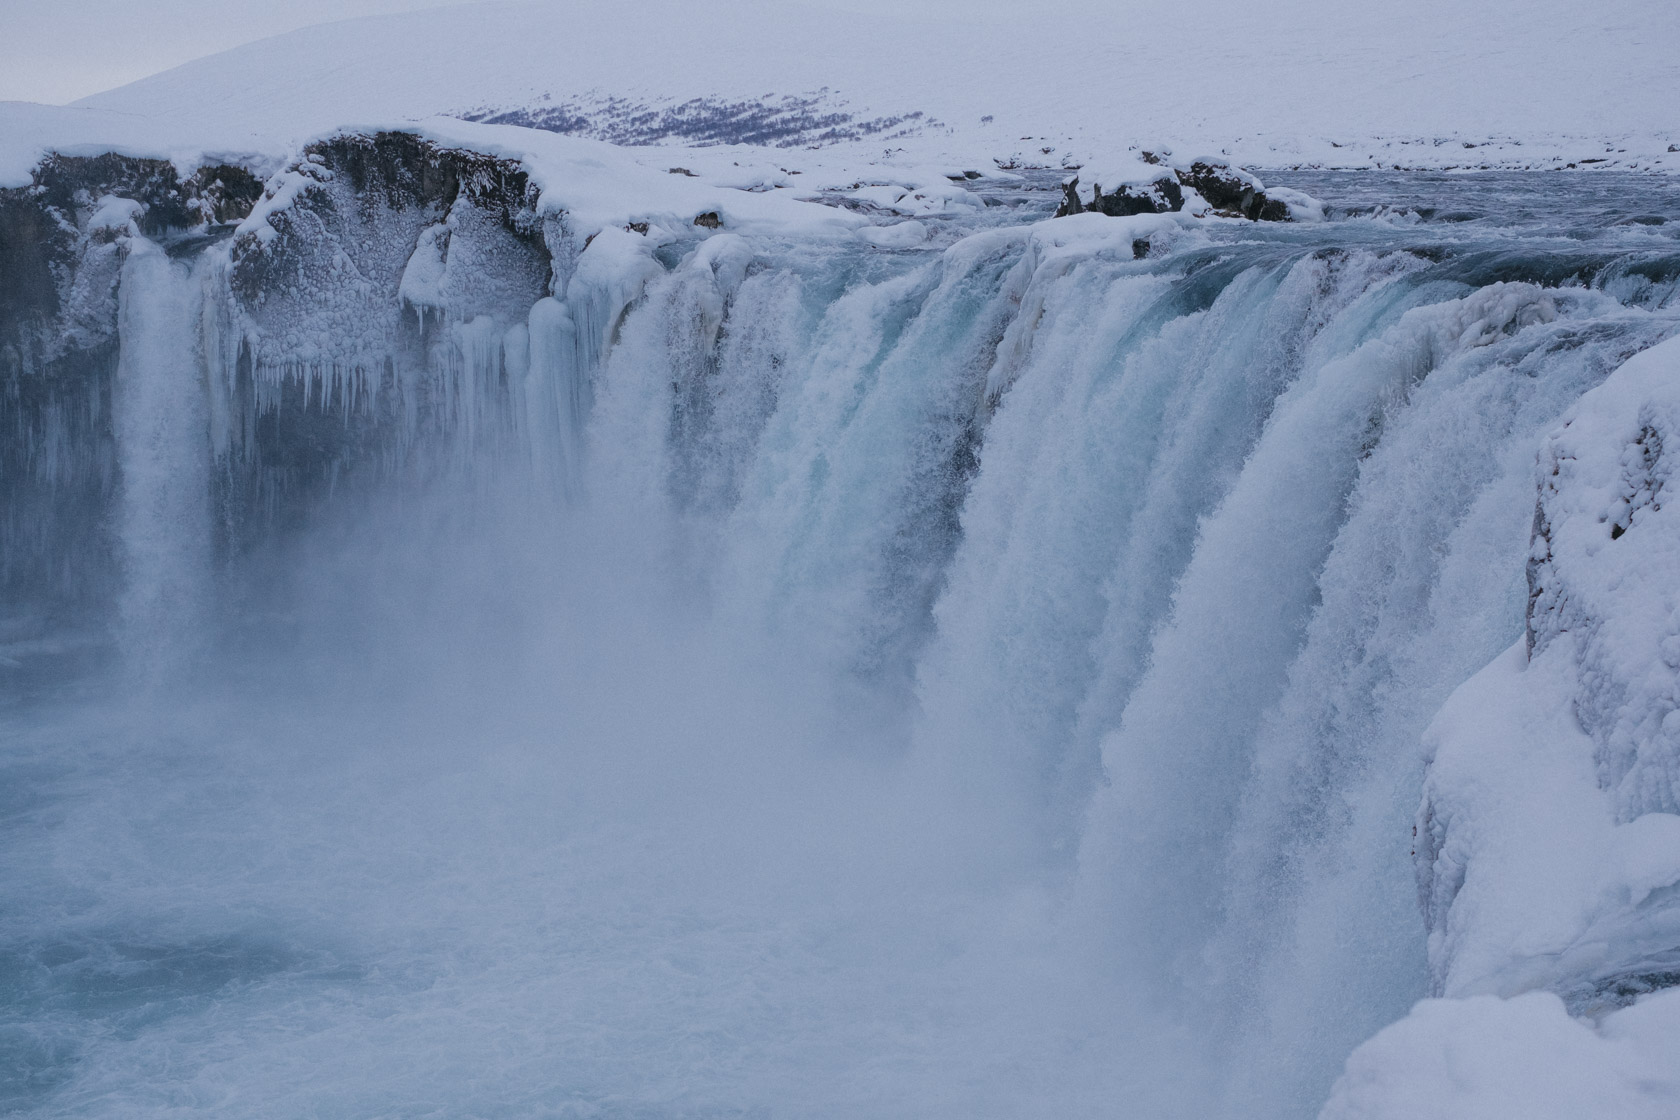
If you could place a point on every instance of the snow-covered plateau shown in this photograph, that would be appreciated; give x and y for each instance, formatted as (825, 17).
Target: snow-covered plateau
(753, 560)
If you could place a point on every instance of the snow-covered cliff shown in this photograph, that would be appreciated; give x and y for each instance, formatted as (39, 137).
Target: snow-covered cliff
(1548, 840)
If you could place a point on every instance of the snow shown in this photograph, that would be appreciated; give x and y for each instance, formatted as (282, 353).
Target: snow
(423, 277)
(1429, 83)
(1302, 207)
(115, 214)
(1520, 1059)
(929, 196)
(1107, 175)
(1533, 883)
(29, 131)
(1603, 576)
(1548, 843)
(597, 185)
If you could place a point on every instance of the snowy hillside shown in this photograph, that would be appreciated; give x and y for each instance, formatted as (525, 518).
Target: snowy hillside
(1420, 83)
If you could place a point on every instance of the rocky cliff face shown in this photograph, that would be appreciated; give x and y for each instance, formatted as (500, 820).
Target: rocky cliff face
(336, 289)
(340, 295)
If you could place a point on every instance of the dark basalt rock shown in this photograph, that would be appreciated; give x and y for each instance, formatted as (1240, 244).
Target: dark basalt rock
(226, 193)
(37, 243)
(1159, 197)
(1222, 189)
(214, 194)
(1231, 193)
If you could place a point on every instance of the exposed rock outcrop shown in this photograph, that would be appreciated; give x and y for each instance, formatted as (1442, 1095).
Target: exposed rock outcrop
(1153, 185)
(1122, 200)
(371, 294)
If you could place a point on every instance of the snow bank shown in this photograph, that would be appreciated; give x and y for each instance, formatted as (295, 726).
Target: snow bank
(1520, 1059)
(1528, 879)
(1606, 554)
(114, 214)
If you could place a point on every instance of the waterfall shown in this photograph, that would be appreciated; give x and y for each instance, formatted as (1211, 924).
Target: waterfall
(556, 394)
(1366, 560)
(742, 675)
(162, 436)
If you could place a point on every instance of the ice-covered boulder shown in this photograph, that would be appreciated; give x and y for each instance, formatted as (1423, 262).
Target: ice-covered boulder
(1121, 192)
(1231, 190)
(1154, 183)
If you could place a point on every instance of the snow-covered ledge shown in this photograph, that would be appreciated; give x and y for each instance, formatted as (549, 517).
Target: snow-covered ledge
(1548, 844)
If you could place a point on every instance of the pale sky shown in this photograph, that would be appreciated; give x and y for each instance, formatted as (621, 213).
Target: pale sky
(59, 50)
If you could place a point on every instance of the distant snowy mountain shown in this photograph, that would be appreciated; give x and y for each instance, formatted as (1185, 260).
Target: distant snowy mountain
(1423, 83)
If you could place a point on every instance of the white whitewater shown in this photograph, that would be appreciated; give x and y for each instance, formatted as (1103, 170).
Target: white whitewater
(162, 427)
(1231, 542)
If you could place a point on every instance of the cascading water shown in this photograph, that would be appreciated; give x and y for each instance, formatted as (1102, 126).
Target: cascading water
(752, 677)
(162, 434)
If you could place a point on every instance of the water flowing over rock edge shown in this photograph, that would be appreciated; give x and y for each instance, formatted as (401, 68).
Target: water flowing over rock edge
(473, 243)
